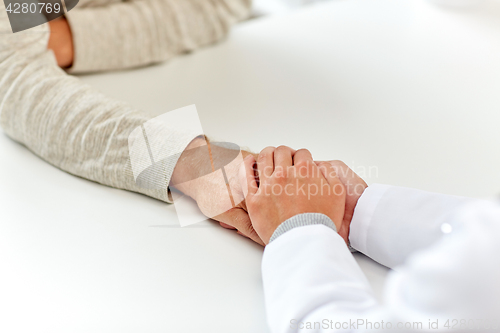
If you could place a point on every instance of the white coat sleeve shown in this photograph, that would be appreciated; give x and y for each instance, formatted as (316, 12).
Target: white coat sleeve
(313, 284)
(390, 223)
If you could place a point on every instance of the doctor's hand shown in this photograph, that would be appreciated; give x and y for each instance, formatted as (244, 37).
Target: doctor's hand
(355, 186)
(289, 183)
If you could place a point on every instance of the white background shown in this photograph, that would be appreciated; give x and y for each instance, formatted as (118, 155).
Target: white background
(405, 86)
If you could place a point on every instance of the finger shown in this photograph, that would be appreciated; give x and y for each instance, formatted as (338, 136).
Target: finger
(331, 176)
(240, 220)
(239, 233)
(227, 226)
(347, 175)
(265, 164)
(302, 156)
(246, 176)
(283, 157)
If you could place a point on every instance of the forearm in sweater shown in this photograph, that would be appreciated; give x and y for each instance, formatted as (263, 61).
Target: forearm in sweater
(67, 123)
(137, 33)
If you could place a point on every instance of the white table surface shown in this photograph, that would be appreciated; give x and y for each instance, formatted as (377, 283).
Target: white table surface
(403, 91)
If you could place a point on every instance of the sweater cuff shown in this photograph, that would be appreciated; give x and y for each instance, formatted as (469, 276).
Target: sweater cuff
(302, 220)
(156, 146)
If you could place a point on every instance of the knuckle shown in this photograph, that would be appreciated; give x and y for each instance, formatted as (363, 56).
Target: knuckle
(265, 153)
(269, 149)
(304, 164)
(299, 161)
(262, 157)
(283, 148)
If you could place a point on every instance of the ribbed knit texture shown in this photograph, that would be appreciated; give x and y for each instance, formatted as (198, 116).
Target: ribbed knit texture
(302, 220)
(73, 126)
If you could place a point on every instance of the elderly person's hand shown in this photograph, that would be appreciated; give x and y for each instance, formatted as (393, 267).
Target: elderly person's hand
(61, 42)
(289, 183)
(194, 176)
(355, 186)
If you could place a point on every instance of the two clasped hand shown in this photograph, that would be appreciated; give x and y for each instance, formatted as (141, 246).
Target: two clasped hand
(277, 184)
(283, 183)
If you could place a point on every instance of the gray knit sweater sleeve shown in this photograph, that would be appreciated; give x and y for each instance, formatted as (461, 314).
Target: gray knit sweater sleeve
(73, 126)
(140, 32)
(302, 220)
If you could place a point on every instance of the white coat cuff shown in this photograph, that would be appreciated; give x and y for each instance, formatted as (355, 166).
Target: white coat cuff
(363, 214)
